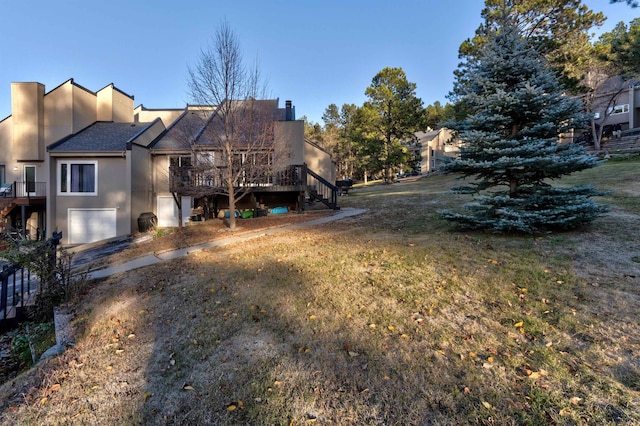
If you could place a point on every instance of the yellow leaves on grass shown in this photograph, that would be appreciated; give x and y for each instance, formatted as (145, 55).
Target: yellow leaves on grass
(232, 406)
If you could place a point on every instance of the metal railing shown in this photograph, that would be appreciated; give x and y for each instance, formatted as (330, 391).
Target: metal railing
(17, 282)
(24, 190)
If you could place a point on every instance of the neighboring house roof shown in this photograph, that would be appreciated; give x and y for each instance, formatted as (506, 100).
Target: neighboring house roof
(100, 137)
(427, 136)
(183, 130)
(203, 125)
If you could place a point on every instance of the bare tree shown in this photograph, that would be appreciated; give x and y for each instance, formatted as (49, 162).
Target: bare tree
(235, 149)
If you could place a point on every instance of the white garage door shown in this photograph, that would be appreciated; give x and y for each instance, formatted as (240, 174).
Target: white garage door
(168, 211)
(89, 225)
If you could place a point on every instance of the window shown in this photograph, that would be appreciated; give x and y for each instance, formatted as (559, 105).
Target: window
(2, 174)
(618, 109)
(77, 178)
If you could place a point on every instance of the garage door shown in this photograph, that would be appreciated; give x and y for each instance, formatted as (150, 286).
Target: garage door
(168, 211)
(89, 225)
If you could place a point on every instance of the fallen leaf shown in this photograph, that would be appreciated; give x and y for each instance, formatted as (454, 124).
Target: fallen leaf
(231, 407)
(119, 351)
(312, 317)
(351, 353)
(44, 400)
(187, 387)
(147, 395)
(372, 325)
(55, 387)
(390, 328)
(487, 405)
(575, 400)
(518, 324)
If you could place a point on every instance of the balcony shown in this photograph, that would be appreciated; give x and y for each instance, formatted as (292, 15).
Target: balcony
(24, 190)
(198, 180)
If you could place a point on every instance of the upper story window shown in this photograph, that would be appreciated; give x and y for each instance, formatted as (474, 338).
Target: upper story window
(77, 177)
(618, 109)
(180, 161)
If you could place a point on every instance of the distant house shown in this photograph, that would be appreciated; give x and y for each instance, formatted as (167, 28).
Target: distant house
(89, 163)
(433, 146)
(616, 107)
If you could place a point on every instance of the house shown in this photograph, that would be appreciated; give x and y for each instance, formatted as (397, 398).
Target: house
(189, 165)
(432, 147)
(90, 164)
(615, 106)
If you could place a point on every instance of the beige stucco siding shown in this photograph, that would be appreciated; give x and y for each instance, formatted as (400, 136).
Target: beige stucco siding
(139, 167)
(289, 142)
(58, 118)
(113, 105)
(319, 161)
(168, 116)
(27, 107)
(160, 167)
(84, 108)
(6, 149)
(112, 192)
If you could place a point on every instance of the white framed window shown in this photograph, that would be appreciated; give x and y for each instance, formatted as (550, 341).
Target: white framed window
(618, 109)
(77, 177)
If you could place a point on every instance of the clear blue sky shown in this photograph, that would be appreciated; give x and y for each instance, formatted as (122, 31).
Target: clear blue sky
(313, 52)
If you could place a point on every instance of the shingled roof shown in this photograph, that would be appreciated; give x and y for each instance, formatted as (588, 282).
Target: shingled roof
(100, 137)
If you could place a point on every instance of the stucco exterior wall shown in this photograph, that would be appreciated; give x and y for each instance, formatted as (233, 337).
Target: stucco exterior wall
(160, 170)
(168, 116)
(27, 107)
(112, 192)
(113, 105)
(84, 108)
(319, 161)
(289, 143)
(139, 168)
(6, 149)
(58, 115)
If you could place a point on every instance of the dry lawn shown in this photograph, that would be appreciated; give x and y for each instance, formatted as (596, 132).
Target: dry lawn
(388, 318)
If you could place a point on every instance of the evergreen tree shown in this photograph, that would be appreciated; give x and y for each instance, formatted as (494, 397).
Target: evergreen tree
(517, 113)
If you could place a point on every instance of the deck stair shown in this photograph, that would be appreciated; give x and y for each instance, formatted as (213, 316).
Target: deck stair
(320, 189)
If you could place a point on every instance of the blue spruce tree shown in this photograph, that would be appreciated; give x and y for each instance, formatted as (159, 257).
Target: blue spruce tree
(516, 113)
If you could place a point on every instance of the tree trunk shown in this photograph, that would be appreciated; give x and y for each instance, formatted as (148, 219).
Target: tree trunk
(232, 208)
(596, 135)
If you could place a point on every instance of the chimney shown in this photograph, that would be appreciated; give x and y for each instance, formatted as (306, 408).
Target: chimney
(290, 111)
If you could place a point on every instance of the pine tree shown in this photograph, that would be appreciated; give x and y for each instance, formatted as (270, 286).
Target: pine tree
(511, 143)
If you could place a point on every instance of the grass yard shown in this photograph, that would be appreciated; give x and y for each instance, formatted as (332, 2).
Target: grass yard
(388, 318)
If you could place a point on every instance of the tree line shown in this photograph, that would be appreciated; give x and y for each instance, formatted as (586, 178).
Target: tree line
(371, 139)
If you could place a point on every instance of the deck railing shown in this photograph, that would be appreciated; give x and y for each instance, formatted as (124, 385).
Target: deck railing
(191, 178)
(17, 283)
(24, 190)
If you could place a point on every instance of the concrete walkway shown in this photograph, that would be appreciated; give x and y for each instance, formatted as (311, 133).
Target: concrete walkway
(153, 259)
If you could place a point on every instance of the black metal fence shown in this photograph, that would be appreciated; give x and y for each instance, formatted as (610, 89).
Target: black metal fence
(19, 284)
